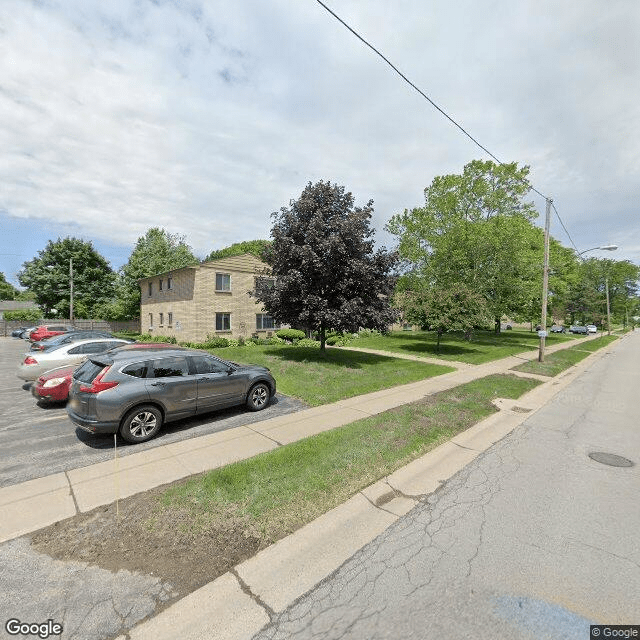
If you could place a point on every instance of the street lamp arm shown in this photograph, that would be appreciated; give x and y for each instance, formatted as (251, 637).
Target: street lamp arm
(606, 247)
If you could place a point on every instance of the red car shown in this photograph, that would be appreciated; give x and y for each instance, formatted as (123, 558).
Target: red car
(48, 330)
(53, 386)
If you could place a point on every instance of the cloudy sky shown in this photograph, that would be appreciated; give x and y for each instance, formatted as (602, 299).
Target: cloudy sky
(204, 116)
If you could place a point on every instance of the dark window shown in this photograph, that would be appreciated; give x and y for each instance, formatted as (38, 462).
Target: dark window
(169, 282)
(169, 367)
(160, 284)
(88, 371)
(151, 288)
(137, 370)
(203, 364)
(264, 321)
(161, 320)
(170, 318)
(223, 282)
(223, 322)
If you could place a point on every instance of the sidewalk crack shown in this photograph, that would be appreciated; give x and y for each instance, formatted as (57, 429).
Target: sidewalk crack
(73, 495)
(260, 433)
(256, 598)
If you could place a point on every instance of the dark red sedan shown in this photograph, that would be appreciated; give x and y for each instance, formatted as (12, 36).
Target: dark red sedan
(45, 331)
(53, 386)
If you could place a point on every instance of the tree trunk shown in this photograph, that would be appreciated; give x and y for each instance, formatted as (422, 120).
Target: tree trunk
(438, 333)
(322, 337)
(497, 322)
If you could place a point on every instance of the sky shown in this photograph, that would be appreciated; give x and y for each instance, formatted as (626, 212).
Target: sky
(204, 117)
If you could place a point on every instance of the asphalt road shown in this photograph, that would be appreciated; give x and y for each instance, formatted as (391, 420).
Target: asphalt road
(38, 440)
(533, 540)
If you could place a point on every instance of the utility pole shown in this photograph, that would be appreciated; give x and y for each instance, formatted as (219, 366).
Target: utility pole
(545, 280)
(71, 291)
(606, 284)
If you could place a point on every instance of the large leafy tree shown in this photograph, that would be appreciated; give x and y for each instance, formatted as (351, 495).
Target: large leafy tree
(327, 274)
(156, 252)
(48, 277)
(254, 247)
(7, 290)
(476, 229)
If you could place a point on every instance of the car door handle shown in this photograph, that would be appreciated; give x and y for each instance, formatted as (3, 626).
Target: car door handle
(204, 379)
(158, 384)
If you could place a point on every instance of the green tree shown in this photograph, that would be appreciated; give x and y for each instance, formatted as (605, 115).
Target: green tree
(24, 315)
(476, 229)
(156, 252)
(7, 290)
(48, 278)
(254, 247)
(327, 275)
(456, 308)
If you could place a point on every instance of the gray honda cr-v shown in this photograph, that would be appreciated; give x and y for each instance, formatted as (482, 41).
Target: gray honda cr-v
(133, 391)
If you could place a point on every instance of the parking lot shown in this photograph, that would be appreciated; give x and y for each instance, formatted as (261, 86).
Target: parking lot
(38, 440)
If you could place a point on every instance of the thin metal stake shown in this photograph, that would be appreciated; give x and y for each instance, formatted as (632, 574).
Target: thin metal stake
(117, 478)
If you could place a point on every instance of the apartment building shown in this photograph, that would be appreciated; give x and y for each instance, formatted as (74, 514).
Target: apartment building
(207, 299)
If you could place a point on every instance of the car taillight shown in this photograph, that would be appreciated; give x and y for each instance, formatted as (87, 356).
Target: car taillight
(98, 385)
(30, 360)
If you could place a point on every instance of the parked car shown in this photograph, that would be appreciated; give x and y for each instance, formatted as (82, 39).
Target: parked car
(48, 330)
(135, 391)
(591, 328)
(53, 385)
(16, 333)
(36, 363)
(578, 329)
(556, 328)
(66, 338)
(27, 332)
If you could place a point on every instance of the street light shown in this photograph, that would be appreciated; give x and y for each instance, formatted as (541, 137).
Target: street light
(606, 247)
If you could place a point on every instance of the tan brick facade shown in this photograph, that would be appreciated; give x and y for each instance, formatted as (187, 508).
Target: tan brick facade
(184, 303)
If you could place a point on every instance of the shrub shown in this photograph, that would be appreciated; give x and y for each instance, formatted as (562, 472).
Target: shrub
(290, 334)
(215, 342)
(24, 315)
(307, 342)
(367, 333)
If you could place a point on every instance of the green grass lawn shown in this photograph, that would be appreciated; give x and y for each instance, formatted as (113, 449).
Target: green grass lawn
(554, 363)
(316, 378)
(484, 346)
(274, 493)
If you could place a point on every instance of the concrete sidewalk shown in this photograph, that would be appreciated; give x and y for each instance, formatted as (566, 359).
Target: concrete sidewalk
(34, 504)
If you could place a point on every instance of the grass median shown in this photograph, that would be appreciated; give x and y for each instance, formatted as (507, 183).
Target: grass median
(555, 363)
(198, 529)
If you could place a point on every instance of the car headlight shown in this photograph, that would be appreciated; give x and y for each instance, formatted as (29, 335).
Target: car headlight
(53, 382)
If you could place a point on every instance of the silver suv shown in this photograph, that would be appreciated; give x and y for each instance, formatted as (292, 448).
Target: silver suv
(134, 390)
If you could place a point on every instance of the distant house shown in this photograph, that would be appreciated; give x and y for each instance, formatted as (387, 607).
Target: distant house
(209, 299)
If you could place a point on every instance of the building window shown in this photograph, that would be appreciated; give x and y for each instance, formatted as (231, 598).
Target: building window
(169, 282)
(151, 288)
(223, 282)
(264, 321)
(223, 322)
(151, 321)
(160, 284)
(161, 320)
(170, 318)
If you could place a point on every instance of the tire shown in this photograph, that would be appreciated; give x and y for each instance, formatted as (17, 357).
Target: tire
(258, 396)
(141, 424)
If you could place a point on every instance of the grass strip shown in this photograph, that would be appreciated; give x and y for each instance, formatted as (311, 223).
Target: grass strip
(320, 378)
(555, 363)
(484, 346)
(275, 493)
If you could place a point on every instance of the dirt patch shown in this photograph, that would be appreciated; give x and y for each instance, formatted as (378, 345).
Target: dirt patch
(141, 536)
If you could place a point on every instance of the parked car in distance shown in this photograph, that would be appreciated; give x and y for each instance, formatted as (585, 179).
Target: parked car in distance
(66, 338)
(48, 330)
(36, 363)
(135, 391)
(17, 333)
(591, 328)
(53, 385)
(556, 328)
(578, 329)
(27, 332)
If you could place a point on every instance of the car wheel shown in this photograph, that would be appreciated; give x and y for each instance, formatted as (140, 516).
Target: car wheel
(258, 397)
(141, 424)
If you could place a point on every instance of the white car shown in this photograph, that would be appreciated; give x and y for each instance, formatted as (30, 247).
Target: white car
(35, 363)
(591, 328)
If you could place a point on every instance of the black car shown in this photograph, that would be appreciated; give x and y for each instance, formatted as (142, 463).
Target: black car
(556, 328)
(578, 329)
(134, 391)
(66, 338)
(17, 333)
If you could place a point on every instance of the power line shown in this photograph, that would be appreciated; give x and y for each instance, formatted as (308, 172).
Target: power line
(424, 95)
(565, 228)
